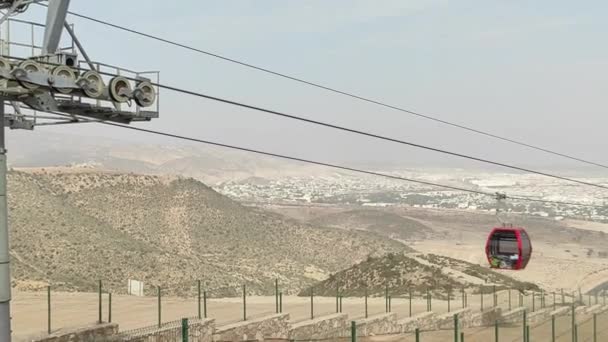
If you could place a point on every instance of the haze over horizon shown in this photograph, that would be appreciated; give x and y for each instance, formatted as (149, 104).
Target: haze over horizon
(531, 72)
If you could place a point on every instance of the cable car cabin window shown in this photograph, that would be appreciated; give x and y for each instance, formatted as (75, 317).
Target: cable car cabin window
(503, 251)
(504, 243)
(508, 246)
(526, 248)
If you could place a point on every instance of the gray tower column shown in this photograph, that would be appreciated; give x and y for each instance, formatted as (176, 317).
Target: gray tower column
(5, 278)
(55, 18)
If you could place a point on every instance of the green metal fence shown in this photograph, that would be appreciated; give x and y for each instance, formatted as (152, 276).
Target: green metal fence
(444, 301)
(183, 330)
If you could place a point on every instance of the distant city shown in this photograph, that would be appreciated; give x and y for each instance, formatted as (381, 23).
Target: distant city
(375, 191)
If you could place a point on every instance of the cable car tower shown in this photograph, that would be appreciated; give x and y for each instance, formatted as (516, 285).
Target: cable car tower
(52, 79)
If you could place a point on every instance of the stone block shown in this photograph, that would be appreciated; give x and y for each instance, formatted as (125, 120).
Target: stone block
(270, 327)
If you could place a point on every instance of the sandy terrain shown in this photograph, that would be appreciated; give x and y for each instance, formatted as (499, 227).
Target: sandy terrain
(551, 267)
(558, 261)
(588, 225)
(74, 309)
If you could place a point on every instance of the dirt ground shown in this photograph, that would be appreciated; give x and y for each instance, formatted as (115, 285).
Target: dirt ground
(514, 333)
(130, 312)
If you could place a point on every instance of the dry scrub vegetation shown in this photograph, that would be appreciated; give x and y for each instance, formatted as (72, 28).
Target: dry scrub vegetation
(71, 229)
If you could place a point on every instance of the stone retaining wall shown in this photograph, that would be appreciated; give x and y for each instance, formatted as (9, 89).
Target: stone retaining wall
(446, 321)
(539, 316)
(93, 333)
(561, 311)
(378, 325)
(335, 327)
(514, 316)
(269, 327)
(326, 327)
(423, 321)
(485, 318)
(198, 331)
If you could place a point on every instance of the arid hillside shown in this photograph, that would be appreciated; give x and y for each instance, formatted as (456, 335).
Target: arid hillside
(402, 273)
(73, 228)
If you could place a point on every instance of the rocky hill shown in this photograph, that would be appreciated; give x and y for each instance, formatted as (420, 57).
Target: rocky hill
(402, 273)
(73, 228)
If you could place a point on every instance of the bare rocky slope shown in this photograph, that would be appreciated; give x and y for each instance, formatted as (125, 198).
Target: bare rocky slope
(402, 273)
(72, 228)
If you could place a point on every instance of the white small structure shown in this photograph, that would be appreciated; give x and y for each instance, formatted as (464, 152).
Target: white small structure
(135, 288)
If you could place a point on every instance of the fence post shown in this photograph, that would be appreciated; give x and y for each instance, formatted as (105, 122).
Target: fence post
(430, 301)
(576, 333)
(462, 297)
(204, 304)
(527, 333)
(495, 296)
(462, 337)
(337, 297)
(552, 328)
(542, 301)
(573, 323)
(449, 295)
(276, 294)
(48, 303)
(456, 328)
(525, 320)
(410, 291)
(366, 302)
(341, 304)
(353, 331)
(521, 300)
(185, 330)
(417, 332)
(244, 302)
(198, 283)
(312, 304)
(509, 299)
(554, 305)
(100, 319)
(386, 299)
(159, 307)
(389, 304)
(496, 331)
(594, 327)
(533, 301)
(110, 307)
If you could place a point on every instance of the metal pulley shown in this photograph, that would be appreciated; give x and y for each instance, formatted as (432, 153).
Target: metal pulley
(120, 89)
(29, 67)
(5, 69)
(5, 64)
(144, 94)
(66, 72)
(91, 83)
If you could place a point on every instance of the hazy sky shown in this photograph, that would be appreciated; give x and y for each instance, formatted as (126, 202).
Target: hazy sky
(529, 70)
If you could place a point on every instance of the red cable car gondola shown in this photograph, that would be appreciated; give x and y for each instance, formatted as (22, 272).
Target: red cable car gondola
(508, 248)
